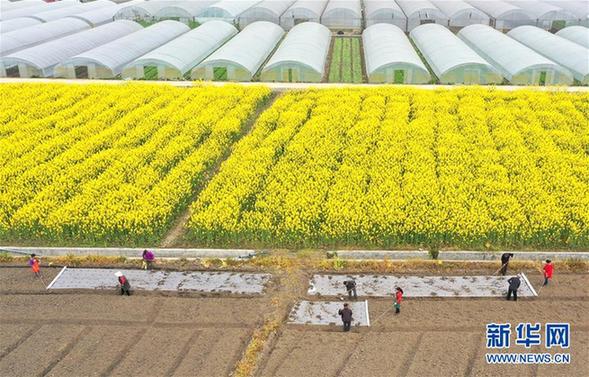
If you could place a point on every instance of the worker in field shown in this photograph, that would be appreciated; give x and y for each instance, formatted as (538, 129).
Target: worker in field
(548, 271)
(505, 262)
(351, 288)
(123, 283)
(148, 257)
(398, 299)
(34, 263)
(514, 283)
(346, 314)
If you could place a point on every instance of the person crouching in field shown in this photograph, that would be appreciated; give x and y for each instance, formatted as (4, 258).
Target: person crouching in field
(346, 314)
(514, 283)
(351, 288)
(148, 258)
(505, 262)
(398, 299)
(34, 263)
(123, 283)
(548, 271)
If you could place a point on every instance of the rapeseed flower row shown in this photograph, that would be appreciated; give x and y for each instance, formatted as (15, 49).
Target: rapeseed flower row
(99, 164)
(392, 167)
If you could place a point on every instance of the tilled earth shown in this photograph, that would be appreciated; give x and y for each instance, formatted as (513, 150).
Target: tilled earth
(98, 334)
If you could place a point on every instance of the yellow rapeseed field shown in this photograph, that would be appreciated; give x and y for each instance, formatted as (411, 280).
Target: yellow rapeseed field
(99, 163)
(385, 167)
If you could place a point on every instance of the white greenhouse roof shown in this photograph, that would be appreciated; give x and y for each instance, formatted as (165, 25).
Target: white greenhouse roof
(456, 8)
(228, 8)
(539, 10)
(97, 17)
(273, 7)
(306, 44)
(56, 14)
(386, 44)
(352, 7)
(499, 9)
(17, 23)
(37, 34)
(566, 53)
(312, 7)
(49, 54)
(382, 6)
(577, 34)
(507, 55)
(184, 9)
(250, 48)
(186, 51)
(579, 8)
(115, 55)
(413, 8)
(443, 50)
(6, 6)
(28, 11)
(143, 8)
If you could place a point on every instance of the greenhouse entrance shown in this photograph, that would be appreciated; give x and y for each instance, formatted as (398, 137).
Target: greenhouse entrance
(81, 71)
(472, 76)
(219, 73)
(399, 76)
(557, 25)
(150, 72)
(542, 79)
(12, 71)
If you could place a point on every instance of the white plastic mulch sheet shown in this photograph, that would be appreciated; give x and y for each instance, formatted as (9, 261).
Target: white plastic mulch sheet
(419, 286)
(326, 313)
(211, 282)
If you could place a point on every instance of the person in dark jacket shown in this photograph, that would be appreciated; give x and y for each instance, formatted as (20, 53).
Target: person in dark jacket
(514, 284)
(505, 262)
(351, 288)
(346, 314)
(123, 283)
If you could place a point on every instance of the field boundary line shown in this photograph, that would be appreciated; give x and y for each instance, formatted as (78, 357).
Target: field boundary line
(411, 355)
(56, 277)
(282, 359)
(68, 348)
(123, 354)
(346, 360)
(473, 357)
(529, 284)
(20, 341)
(184, 352)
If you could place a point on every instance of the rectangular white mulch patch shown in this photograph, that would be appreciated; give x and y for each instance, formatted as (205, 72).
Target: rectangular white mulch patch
(208, 282)
(419, 286)
(326, 313)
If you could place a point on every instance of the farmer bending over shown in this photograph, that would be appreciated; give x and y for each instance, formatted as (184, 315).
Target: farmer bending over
(351, 288)
(34, 263)
(514, 283)
(123, 283)
(148, 259)
(505, 262)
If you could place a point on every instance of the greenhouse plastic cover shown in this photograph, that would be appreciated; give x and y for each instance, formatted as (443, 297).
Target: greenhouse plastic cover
(498, 9)
(17, 23)
(249, 48)
(373, 6)
(232, 8)
(346, 5)
(410, 7)
(186, 8)
(191, 48)
(6, 5)
(52, 53)
(566, 53)
(577, 7)
(306, 44)
(455, 8)
(577, 34)
(444, 50)
(544, 11)
(25, 12)
(386, 44)
(34, 35)
(103, 15)
(314, 7)
(276, 7)
(56, 14)
(150, 8)
(116, 54)
(510, 56)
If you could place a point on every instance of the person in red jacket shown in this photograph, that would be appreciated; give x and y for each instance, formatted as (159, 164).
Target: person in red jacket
(34, 263)
(398, 299)
(123, 283)
(548, 270)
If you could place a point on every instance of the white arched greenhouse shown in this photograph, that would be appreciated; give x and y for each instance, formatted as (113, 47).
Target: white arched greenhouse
(17, 23)
(37, 34)
(6, 6)
(227, 10)
(28, 11)
(177, 57)
(420, 12)
(503, 16)
(577, 34)
(267, 10)
(342, 14)
(107, 61)
(40, 60)
(577, 7)
(460, 13)
(390, 57)
(384, 11)
(568, 54)
(101, 16)
(241, 57)
(56, 14)
(545, 15)
(451, 59)
(301, 56)
(517, 63)
(183, 11)
(140, 11)
(302, 11)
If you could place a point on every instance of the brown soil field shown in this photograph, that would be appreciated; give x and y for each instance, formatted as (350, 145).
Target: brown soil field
(44, 333)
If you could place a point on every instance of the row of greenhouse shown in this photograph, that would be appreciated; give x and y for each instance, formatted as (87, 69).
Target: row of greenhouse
(335, 14)
(263, 51)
